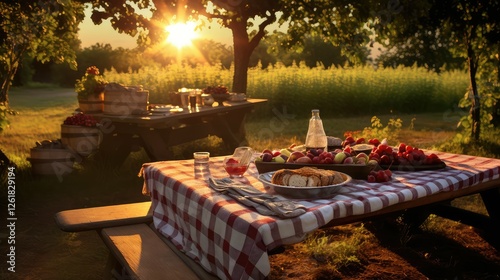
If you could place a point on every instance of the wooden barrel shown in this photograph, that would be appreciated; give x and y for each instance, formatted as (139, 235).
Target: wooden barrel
(81, 140)
(125, 103)
(57, 162)
(92, 104)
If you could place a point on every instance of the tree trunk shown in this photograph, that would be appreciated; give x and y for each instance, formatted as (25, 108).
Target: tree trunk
(242, 52)
(244, 47)
(475, 109)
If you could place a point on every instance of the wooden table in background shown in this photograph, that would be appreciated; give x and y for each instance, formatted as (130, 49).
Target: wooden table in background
(157, 133)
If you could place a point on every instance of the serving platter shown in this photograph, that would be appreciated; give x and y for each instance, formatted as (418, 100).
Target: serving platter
(356, 171)
(303, 192)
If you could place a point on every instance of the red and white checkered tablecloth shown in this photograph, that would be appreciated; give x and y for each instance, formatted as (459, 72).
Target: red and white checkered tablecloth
(232, 241)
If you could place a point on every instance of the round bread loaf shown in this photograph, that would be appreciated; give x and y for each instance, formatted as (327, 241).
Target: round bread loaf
(306, 177)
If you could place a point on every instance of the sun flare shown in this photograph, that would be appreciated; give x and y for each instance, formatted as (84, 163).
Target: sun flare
(181, 34)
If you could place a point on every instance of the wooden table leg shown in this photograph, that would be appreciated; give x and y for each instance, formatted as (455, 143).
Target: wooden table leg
(115, 148)
(491, 199)
(231, 128)
(156, 144)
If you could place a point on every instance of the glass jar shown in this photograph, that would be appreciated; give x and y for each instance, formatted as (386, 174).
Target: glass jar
(316, 137)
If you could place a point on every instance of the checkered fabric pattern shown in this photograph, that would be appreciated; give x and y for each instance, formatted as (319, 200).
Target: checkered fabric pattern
(231, 240)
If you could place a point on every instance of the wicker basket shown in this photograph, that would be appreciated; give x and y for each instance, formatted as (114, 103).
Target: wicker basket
(57, 162)
(92, 104)
(125, 102)
(81, 139)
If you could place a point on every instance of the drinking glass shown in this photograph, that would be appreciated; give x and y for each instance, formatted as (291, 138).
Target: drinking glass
(201, 165)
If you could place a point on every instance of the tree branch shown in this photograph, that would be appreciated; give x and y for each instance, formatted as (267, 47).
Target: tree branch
(262, 32)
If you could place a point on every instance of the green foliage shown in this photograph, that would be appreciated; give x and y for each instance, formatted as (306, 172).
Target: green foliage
(487, 146)
(43, 30)
(377, 129)
(467, 29)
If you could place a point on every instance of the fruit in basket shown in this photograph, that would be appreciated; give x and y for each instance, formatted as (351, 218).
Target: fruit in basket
(295, 155)
(304, 159)
(279, 159)
(81, 120)
(267, 157)
(286, 152)
(216, 90)
(340, 157)
(375, 142)
(362, 157)
(402, 154)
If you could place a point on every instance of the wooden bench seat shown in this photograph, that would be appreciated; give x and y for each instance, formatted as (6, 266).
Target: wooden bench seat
(96, 218)
(137, 251)
(143, 254)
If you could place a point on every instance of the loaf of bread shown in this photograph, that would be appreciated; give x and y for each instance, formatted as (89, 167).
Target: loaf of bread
(306, 177)
(334, 141)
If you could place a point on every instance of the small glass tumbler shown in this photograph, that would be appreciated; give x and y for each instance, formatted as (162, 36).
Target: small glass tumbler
(201, 162)
(192, 101)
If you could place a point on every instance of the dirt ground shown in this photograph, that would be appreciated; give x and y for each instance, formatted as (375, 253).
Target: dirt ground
(458, 252)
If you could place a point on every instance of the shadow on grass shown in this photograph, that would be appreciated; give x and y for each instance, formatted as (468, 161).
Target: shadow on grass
(439, 254)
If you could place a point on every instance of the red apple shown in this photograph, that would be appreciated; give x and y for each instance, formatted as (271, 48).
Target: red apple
(348, 160)
(316, 159)
(266, 157)
(360, 140)
(295, 155)
(267, 151)
(304, 159)
(362, 157)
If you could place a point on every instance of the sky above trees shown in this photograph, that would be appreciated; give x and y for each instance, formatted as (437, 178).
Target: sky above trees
(91, 34)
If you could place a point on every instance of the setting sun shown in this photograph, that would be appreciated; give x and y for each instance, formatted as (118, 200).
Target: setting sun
(181, 34)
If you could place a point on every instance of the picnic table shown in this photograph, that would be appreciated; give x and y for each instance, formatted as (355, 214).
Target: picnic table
(233, 241)
(157, 133)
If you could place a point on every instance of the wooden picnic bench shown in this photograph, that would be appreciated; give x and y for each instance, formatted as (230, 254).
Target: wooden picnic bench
(137, 251)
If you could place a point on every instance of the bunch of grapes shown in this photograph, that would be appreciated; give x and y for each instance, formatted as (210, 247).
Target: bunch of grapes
(216, 90)
(81, 120)
(380, 176)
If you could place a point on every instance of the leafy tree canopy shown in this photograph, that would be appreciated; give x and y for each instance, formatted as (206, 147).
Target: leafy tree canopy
(467, 28)
(339, 22)
(45, 30)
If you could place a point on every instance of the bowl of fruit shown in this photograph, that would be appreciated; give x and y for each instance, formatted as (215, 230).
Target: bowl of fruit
(219, 93)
